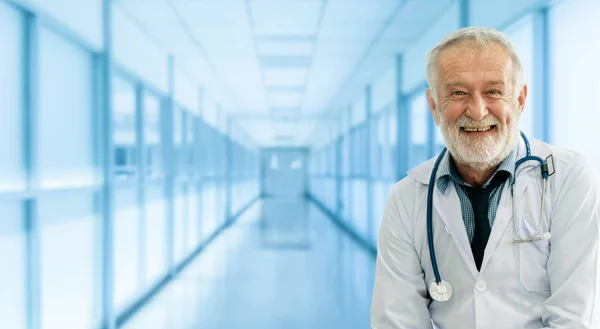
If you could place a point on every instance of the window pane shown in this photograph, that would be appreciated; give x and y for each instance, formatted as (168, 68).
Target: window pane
(179, 223)
(126, 239)
(346, 155)
(65, 138)
(419, 117)
(521, 35)
(363, 149)
(178, 147)
(11, 94)
(155, 228)
(124, 121)
(188, 159)
(360, 217)
(152, 136)
(391, 151)
(68, 269)
(209, 203)
(193, 231)
(13, 256)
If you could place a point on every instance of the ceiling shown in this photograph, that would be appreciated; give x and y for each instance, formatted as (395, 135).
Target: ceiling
(284, 64)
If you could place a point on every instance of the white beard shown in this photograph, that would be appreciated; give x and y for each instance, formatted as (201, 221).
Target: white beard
(482, 153)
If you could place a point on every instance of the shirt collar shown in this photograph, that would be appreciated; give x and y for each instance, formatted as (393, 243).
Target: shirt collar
(447, 170)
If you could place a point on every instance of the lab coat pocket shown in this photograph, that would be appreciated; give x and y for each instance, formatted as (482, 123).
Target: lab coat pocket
(533, 259)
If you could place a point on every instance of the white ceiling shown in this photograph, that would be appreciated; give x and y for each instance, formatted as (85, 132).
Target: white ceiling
(283, 64)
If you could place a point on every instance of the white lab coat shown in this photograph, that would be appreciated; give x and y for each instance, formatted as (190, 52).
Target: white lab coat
(546, 284)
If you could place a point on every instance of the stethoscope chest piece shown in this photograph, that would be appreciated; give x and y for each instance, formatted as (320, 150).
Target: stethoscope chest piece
(440, 292)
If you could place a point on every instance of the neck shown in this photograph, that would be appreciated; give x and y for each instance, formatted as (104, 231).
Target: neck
(475, 175)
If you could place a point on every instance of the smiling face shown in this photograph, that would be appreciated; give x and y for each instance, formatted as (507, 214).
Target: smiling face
(477, 105)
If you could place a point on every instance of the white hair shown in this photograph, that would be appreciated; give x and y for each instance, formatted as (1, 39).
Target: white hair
(480, 37)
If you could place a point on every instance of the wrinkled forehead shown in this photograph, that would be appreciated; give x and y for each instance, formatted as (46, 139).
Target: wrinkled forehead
(470, 57)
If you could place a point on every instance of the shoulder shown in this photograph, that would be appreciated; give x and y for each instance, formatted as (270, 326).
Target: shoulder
(407, 193)
(572, 170)
(564, 160)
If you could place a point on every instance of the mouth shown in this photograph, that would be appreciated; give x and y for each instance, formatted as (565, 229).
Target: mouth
(478, 130)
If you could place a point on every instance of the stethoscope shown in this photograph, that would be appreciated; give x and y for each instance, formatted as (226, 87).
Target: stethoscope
(441, 290)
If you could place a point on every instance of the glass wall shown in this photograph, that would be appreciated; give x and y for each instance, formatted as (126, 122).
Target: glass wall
(68, 247)
(124, 129)
(13, 178)
(128, 237)
(153, 146)
(59, 190)
(574, 50)
(12, 174)
(64, 157)
(65, 91)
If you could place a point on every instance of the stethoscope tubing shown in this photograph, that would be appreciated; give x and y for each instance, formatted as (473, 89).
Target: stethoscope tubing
(434, 265)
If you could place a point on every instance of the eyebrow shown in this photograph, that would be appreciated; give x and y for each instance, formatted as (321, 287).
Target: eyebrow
(495, 82)
(452, 84)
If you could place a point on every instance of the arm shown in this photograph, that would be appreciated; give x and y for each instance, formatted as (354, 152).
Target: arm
(573, 262)
(400, 297)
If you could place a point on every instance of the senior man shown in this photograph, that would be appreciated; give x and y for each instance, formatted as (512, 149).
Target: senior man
(499, 231)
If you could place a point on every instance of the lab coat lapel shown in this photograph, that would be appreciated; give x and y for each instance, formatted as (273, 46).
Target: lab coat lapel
(448, 208)
(504, 215)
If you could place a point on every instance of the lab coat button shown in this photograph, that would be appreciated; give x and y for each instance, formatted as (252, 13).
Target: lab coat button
(480, 286)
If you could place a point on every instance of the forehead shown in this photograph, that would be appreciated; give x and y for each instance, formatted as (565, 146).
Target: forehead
(471, 62)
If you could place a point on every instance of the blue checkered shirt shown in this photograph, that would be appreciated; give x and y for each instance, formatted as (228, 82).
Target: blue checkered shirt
(447, 170)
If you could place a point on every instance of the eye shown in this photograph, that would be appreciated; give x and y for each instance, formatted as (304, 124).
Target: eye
(458, 93)
(494, 92)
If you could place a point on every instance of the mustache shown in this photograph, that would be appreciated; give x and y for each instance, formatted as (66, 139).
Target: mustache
(465, 121)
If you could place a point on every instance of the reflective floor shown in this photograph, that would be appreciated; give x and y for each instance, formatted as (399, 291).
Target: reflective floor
(283, 264)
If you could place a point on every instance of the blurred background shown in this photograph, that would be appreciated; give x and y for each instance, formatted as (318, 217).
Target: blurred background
(225, 163)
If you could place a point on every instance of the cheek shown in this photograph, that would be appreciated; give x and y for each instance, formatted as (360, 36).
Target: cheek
(504, 112)
(451, 112)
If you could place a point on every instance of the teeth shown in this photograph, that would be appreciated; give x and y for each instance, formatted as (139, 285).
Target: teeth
(477, 129)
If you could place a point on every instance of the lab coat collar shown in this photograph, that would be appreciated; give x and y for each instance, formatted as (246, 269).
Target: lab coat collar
(422, 172)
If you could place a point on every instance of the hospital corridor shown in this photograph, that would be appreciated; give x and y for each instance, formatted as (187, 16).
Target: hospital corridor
(225, 164)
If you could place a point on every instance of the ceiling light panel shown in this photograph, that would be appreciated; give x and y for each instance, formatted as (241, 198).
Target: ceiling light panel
(284, 113)
(276, 17)
(248, 91)
(284, 48)
(213, 14)
(291, 89)
(284, 99)
(285, 61)
(360, 11)
(284, 128)
(335, 31)
(260, 131)
(284, 77)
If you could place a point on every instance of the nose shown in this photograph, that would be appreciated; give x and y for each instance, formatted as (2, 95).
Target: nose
(476, 107)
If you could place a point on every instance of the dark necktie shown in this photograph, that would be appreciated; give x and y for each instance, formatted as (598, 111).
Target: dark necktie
(480, 201)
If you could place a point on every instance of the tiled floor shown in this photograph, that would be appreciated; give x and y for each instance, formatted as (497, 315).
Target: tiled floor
(282, 265)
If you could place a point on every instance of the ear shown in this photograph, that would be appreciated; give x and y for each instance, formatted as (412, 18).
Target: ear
(432, 106)
(522, 97)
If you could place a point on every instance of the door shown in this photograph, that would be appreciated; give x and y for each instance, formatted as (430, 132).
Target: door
(284, 172)
(284, 217)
